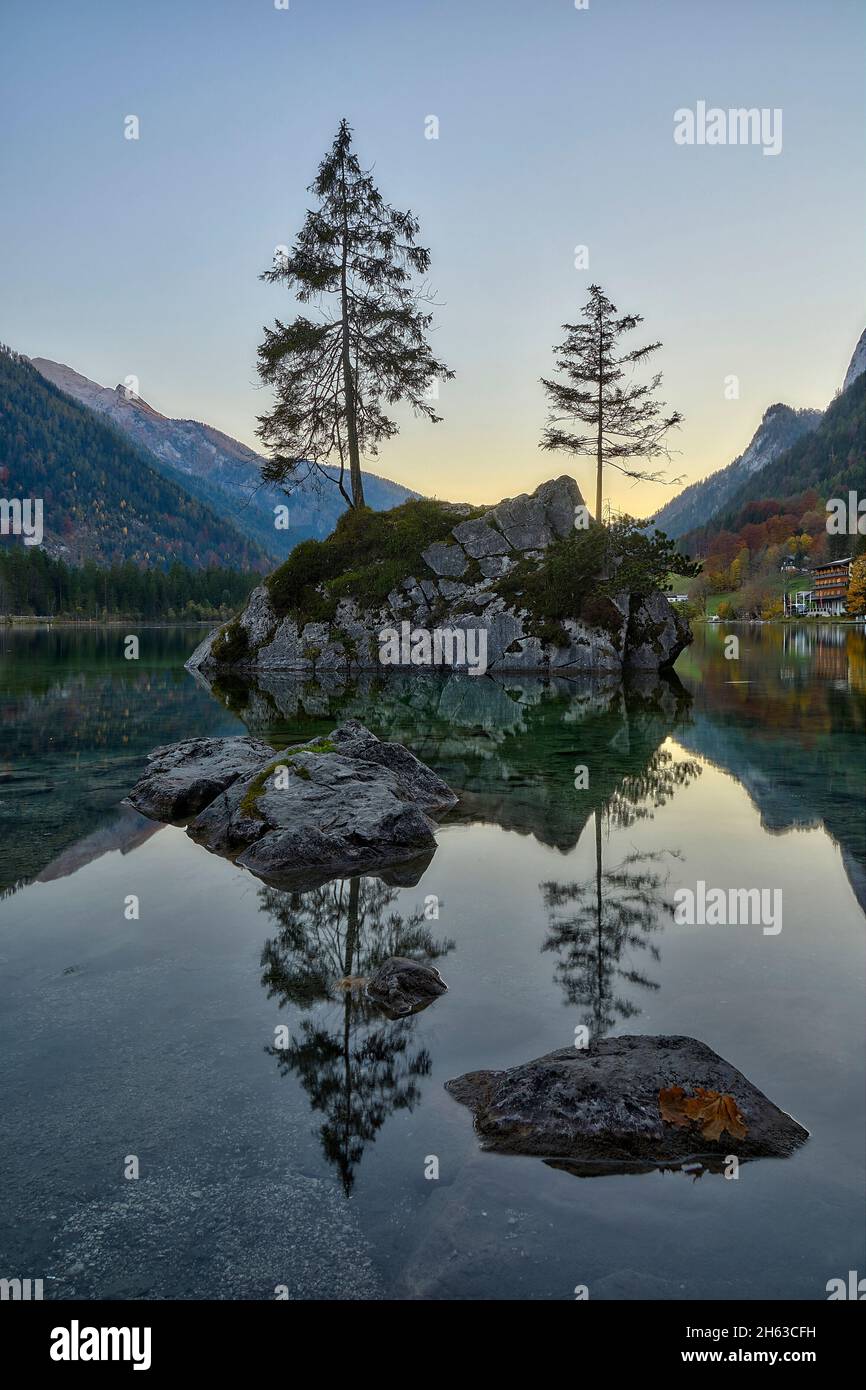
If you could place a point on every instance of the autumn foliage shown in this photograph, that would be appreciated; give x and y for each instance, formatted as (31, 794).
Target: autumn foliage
(712, 1112)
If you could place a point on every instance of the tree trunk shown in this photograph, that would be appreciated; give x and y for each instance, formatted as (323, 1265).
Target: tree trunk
(598, 472)
(348, 380)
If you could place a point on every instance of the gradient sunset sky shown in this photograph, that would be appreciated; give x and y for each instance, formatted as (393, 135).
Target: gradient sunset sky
(141, 258)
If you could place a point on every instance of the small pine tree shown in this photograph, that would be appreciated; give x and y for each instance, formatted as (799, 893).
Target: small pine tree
(355, 258)
(626, 422)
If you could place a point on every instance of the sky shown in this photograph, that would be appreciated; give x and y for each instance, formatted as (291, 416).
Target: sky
(555, 130)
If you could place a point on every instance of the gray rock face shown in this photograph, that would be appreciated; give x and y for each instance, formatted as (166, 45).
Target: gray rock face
(182, 778)
(336, 806)
(479, 539)
(600, 1105)
(523, 521)
(448, 560)
(656, 634)
(404, 986)
(459, 590)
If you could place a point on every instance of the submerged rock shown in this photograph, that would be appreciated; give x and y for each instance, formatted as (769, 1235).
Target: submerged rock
(404, 986)
(342, 804)
(601, 1105)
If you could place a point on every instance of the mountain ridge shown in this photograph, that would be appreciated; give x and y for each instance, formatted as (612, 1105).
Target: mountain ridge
(780, 429)
(218, 469)
(104, 498)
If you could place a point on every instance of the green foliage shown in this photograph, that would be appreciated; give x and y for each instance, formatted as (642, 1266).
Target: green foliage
(643, 563)
(365, 557)
(556, 587)
(104, 499)
(31, 582)
(231, 643)
(578, 576)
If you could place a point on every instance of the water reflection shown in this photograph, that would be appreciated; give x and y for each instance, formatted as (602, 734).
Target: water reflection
(78, 723)
(356, 1065)
(593, 923)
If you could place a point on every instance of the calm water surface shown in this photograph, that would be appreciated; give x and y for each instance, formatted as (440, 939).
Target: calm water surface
(298, 1158)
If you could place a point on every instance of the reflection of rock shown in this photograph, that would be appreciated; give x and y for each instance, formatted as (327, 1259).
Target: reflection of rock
(508, 746)
(601, 1105)
(404, 986)
(337, 805)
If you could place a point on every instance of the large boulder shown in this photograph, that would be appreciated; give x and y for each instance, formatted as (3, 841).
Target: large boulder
(656, 634)
(339, 805)
(182, 778)
(601, 1105)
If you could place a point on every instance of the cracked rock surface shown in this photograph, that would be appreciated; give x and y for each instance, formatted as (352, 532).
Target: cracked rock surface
(342, 804)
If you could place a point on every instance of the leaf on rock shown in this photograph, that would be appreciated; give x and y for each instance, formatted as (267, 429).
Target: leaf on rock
(672, 1106)
(714, 1113)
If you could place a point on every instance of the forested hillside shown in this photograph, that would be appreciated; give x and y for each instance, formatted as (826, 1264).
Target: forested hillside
(828, 462)
(104, 499)
(32, 583)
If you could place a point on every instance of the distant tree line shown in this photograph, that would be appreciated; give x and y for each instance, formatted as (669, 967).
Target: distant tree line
(34, 584)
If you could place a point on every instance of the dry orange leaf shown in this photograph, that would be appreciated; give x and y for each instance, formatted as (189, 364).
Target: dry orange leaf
(712, 1111)
(672, 1106)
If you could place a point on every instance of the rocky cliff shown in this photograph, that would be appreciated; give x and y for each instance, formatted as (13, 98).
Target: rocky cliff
(517, 581)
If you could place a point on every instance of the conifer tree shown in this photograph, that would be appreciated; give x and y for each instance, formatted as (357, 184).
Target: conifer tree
(356, 260)
(624, 420)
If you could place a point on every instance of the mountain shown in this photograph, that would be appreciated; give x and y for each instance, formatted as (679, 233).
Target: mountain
(104, 498)
(219, 470)
(779, 431)
(829, 461)
(780, 427)
(857, 365)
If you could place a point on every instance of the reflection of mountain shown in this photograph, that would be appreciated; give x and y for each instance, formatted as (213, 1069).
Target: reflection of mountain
(508, 747)
(795, 743)
(75, 736)
(123, 831)
(357, 1066)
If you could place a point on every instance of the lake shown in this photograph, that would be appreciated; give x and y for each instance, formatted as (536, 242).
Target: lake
(193, 1109)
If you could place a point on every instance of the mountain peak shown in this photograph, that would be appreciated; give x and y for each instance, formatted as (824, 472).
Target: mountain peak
(781, 426)
(857, 365)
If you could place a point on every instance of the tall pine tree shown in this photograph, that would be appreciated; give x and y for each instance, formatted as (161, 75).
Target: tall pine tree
(625, 421)
(356, 260)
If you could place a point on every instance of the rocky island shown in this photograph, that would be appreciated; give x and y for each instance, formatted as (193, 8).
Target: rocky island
(544, 586)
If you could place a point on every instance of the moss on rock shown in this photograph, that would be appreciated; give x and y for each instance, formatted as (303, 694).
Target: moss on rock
(231, 644)
(367, 555)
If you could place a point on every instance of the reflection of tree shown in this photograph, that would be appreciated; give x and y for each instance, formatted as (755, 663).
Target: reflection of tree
(618, 909)
(356, 1066)
(640, 794)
